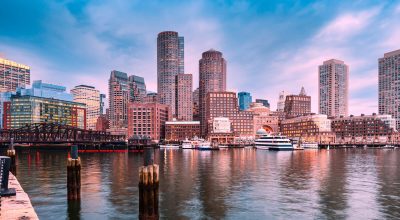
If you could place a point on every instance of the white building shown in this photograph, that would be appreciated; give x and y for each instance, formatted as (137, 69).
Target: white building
(221, 125)
(91, 97)
(281, 101)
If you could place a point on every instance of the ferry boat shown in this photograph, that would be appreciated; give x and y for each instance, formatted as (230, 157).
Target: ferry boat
(310, 145)
(273, 142)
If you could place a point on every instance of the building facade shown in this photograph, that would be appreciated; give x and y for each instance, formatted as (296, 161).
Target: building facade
(47, 90)
(137, 88)
(13, 75)
(245, 100)
(151, 97)
(389, 88)
(196, 105)
(89, 96)
(281, 101)
(333, 88)
(224, 104)
(170, 62)
(102, 103)
(264, 102)
(184, 100)
(118, 99)
(212, 78)
(148, 119)
(309, 128)
(181, 130)
(23, 110)
(297, 105)
(263, 118)
(102, 123)
(364, 129)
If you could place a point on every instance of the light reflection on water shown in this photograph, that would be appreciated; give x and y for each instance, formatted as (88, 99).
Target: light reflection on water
(238, 183)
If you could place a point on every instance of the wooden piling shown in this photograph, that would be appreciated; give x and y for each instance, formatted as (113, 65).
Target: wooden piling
(148, 192)
(13, 166)
(74, 178)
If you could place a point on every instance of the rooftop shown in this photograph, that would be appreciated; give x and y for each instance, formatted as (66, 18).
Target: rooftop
(392, 53)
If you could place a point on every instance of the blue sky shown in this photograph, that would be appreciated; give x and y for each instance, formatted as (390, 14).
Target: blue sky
(269, 45)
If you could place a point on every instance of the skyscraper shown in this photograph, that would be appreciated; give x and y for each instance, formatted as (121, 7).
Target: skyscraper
(297, 105)
(212, 73)
(137, 88)
(118, 99)
(13, 75)
(245, 100)
(389, 88)
(170, 54)
(333, 80)
(184, 100)
(91, 98)
(181, 47)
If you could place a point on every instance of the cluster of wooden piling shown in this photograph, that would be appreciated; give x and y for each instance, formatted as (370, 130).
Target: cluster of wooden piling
(74, 178)
(148, 192)
(13, 166)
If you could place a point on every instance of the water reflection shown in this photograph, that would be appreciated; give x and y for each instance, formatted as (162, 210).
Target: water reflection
(240, 183)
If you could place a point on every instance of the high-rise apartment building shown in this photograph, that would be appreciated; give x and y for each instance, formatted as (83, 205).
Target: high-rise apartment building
(264, 102)
(91, 98)
(297, 105)
(333, 81)
(170, 62)
(13, 75)
(118, 99)
(184, 100)
(212, 71)
(389, 87)
(245, 100)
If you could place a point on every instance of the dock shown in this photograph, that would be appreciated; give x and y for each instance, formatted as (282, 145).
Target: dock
(19, 206)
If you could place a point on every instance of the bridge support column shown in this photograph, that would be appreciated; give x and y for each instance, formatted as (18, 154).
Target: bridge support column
(74, 175)
(148, 187)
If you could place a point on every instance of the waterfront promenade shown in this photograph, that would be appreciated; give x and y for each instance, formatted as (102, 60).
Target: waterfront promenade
(19, 206)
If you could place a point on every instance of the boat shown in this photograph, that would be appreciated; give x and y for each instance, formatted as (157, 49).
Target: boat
(309, 145)
(186, 144)
(206, 146)
(169, 146)
(273, 142)
(297, 144)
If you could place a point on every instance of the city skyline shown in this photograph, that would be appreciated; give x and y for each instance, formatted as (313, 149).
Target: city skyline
(358, 33)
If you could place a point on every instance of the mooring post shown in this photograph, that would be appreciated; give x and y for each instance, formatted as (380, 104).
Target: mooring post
(11, 153)
(74, 175)
(5, 163)
(148, 186)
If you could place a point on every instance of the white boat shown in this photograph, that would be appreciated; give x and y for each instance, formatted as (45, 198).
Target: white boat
(186, 144)
(273, 142)
(169, 146)
(310, 145)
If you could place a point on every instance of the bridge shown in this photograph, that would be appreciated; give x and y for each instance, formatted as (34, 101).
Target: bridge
(53, 133)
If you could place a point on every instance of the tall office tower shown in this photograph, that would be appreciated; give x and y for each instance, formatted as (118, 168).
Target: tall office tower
(196, 115)
(169, 64)
(297, 105)
(212, 73)
(281, 101)
(181, 47)
(13, 75)
(118, 92)
(389, 87)
(245, 100)
(333, 80)
(102, 105)
(264, 102)
(89, 96)
(137, 88)
(184, 100)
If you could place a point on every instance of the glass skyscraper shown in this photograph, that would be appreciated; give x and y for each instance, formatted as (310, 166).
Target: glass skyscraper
(245, 100)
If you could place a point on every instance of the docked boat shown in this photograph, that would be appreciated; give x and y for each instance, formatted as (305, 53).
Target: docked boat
(186, 144)
(206, 146)
(169, 146)
(310, 145)
(273, 142)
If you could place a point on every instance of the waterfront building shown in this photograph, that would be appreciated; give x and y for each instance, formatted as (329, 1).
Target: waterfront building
(102, 123)
(5, 97)
(137, 88)
(389, 89)
(13, 75)
(281, 101)
(212, 78)
(151, 97)
(148, 119)
(47, 90)
(297, 105)
(264, 102)
(181, 130)
(118, 99)
(25, 109)
(309, 128)
(89, 96)
(184, 100)
(196, 105)
(364, 129)
(245, 100)
(224, 104)
(333, 88)
(170, 62)
(102, 103)
(263, 118)
(221, 131)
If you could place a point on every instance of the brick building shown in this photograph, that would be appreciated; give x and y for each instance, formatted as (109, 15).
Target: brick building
(180, 130)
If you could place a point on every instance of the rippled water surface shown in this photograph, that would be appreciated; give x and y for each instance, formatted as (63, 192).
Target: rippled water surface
(233, 184)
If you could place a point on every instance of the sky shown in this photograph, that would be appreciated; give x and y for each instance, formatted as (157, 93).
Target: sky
(269, 46)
